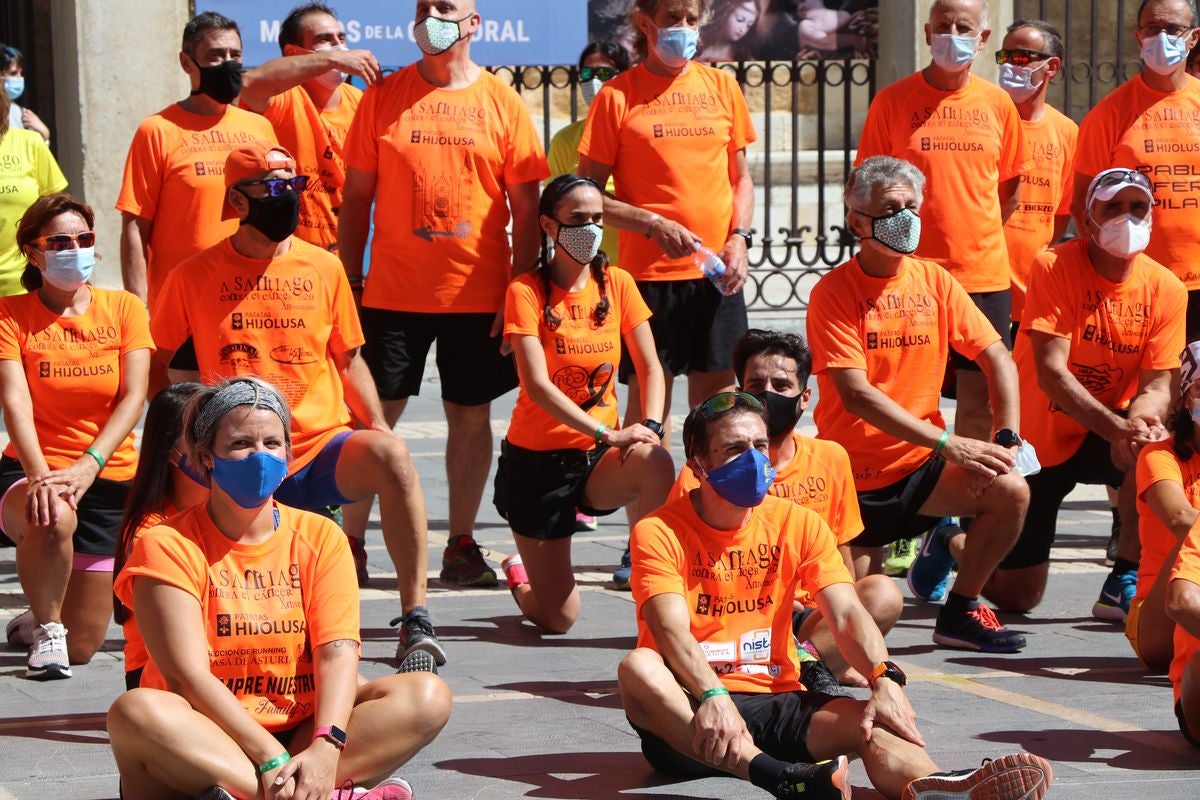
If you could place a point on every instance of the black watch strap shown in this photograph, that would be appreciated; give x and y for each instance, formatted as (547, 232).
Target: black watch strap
(655, 426)
(745, 234)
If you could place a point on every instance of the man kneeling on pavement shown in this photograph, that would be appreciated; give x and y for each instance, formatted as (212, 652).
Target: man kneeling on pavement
(714, 686)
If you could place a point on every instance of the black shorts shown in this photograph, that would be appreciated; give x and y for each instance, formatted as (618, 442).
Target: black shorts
(470, 367)
(1091, 464)
(100, 512)
(694, 326)
(133, 678)
(538, 491)
(997, 307)
(891, 512)
(778, 724)
(185, 357)
(1193, 315)
(1183, 725)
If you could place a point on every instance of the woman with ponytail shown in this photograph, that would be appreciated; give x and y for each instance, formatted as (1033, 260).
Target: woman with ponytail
(566, 322)
(1168, 499)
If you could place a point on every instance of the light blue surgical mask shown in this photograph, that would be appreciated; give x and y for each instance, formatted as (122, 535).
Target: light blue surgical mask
(953, 52)
(1163, 53)
(1018, 81)
(676, 46)
(67, 270)
(14, 86)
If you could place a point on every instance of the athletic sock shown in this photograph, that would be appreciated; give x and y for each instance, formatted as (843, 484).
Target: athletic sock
(767, 772)
(960, 604)
(1123, 565)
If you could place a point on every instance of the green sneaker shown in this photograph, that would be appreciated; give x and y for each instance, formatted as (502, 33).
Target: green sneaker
(900, 556)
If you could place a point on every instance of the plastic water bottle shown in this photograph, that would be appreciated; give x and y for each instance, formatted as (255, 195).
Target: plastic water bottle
(710, 265)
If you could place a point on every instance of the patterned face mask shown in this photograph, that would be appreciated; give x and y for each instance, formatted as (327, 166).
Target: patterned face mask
(900, 231)
(580, 242)
(435, 36)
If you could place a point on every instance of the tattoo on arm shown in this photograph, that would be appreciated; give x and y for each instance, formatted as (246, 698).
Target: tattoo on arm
(344, 643)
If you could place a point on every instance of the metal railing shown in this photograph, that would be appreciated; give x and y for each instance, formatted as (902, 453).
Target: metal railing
(808, 116)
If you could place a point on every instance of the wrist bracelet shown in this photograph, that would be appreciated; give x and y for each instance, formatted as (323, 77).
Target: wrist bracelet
(717, 692)
(650, 226)
(94, 453)
(277, 761)
(603, 429)
(945, 437)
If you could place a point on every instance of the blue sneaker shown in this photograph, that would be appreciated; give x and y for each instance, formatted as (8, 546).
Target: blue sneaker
(622, 573)
(1115, 597)
(929, 575)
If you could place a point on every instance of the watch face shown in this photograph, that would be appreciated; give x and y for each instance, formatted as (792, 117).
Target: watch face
(1007, 438)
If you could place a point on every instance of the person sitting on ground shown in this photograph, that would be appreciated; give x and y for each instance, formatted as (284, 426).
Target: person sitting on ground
(774, 367)
(1097, 352)
(74, 361)
(714, 684)
(154, 495)
(880, 327)
(1183, 605)
(1168, 496)
(566, 321)
(249, 609)
(267, 303)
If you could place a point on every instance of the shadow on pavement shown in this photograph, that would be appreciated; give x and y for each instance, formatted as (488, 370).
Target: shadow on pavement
(510, 630)
(1118, 749)
(68, 728)
(592, 694)
(1100, 669)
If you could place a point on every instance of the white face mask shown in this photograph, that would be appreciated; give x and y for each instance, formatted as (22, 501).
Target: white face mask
(334, 77)
(1018, 81)
(590, 89)
(1124, 236)
(67, 270)
(953, 52)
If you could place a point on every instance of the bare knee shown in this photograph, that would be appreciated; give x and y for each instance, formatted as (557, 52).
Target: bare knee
(554, 622)
(1007, 494)
(640, 671)
(1017, 590)
(80, 651)
(882, 599)
(139, 710)
(398, 465)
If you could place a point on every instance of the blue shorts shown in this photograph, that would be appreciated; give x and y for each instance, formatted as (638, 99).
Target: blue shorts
(315, 486)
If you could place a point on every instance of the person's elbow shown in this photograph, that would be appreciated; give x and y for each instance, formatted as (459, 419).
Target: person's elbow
(855, 396)
(1183, 603)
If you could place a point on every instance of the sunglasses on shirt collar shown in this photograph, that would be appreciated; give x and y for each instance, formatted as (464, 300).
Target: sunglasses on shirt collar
(1020, 57)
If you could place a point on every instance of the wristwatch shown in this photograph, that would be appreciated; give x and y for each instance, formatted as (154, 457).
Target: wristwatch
(655, 426)
(333, 733)
(745, 234)
(1007, 438)
(889, 670)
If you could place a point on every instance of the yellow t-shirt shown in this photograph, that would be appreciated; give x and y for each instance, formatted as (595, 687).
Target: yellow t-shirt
(27, 171)
(564, 158)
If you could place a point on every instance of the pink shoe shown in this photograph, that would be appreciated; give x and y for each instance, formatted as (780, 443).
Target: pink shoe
(391, 789)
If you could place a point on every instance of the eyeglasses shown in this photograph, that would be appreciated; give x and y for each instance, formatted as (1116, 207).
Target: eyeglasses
(603, 73)
(1020, 56)
(65, 241)
(1124, 176)
(1174, 31)
(276, 186)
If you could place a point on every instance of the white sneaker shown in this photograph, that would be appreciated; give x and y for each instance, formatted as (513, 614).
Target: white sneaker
(48, 653)
(20, 630)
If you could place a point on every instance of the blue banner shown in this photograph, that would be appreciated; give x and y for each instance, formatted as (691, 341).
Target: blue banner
(514, 32)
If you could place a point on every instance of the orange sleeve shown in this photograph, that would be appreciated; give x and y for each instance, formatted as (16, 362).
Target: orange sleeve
(1168, 337)
(634, 310)
(10, 334)
(143, 178)
(362, 142)
(136, 322)
(1157, 464)
(686, 481)
(970, 331)
(846, 520)
(602, 131)
(1097, 140)
(658, 562)
(819, 564)
(331, 607)
(347, 333)
(164, 554)
(1187, 566)
(170, 326)
(1046, 299)
(833, 337)
(1014, 150)
(522, 309)
(525, 161)
(1071, 140)
(742, 132)
(874, 138)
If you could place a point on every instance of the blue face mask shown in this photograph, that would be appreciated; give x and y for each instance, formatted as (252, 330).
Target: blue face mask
(676, 46)
(194, 476)
(744, 481)
(1162, 53)
(14, 86)
(68, 270)
(252, 480)
(953, 52)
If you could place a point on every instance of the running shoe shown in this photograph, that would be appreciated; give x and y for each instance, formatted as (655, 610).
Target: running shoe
(900, 556)
(20, 630)
(584, 522)
(1020, 776)
(826, 780)
(217, 793)
(1114, 541)
(929, 575)
(1115, 597)
(463, 564)
(976, 629)
(416, 633)
(622, 573)
(358, 549)
(48, 653)
(391, 789)
(418, 661)
(817, 677)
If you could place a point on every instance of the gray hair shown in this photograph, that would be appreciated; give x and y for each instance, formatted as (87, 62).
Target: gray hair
(204, 412)
(877, 173)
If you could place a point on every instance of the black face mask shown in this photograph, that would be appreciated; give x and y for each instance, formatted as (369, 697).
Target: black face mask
(782, 413)
(275, 217)
(222, 83)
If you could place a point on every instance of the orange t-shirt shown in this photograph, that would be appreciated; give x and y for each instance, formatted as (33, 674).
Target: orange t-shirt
(316, 138)
(1158, 134)
(967, 143)
(280, 319)
(671, 143)
(175, 177)
(581, 359)
(1046, 189)
(266, 607)
(444, 158)
(899, 330)
(136, 654)
(1115, 329)
(738, 585)
(73, 370)
(1158, 462)
(1187, 568)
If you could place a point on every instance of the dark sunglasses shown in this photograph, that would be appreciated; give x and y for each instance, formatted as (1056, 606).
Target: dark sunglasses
(65, 241)
(1020, 57)
(720, 403)
(276, 186)
(603, 73)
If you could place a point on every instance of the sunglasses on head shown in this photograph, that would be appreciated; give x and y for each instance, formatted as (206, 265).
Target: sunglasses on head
(276, 186)
(1124, 176)
(603, 73)
(720, 403)
(1019, 56)
(65, 241)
